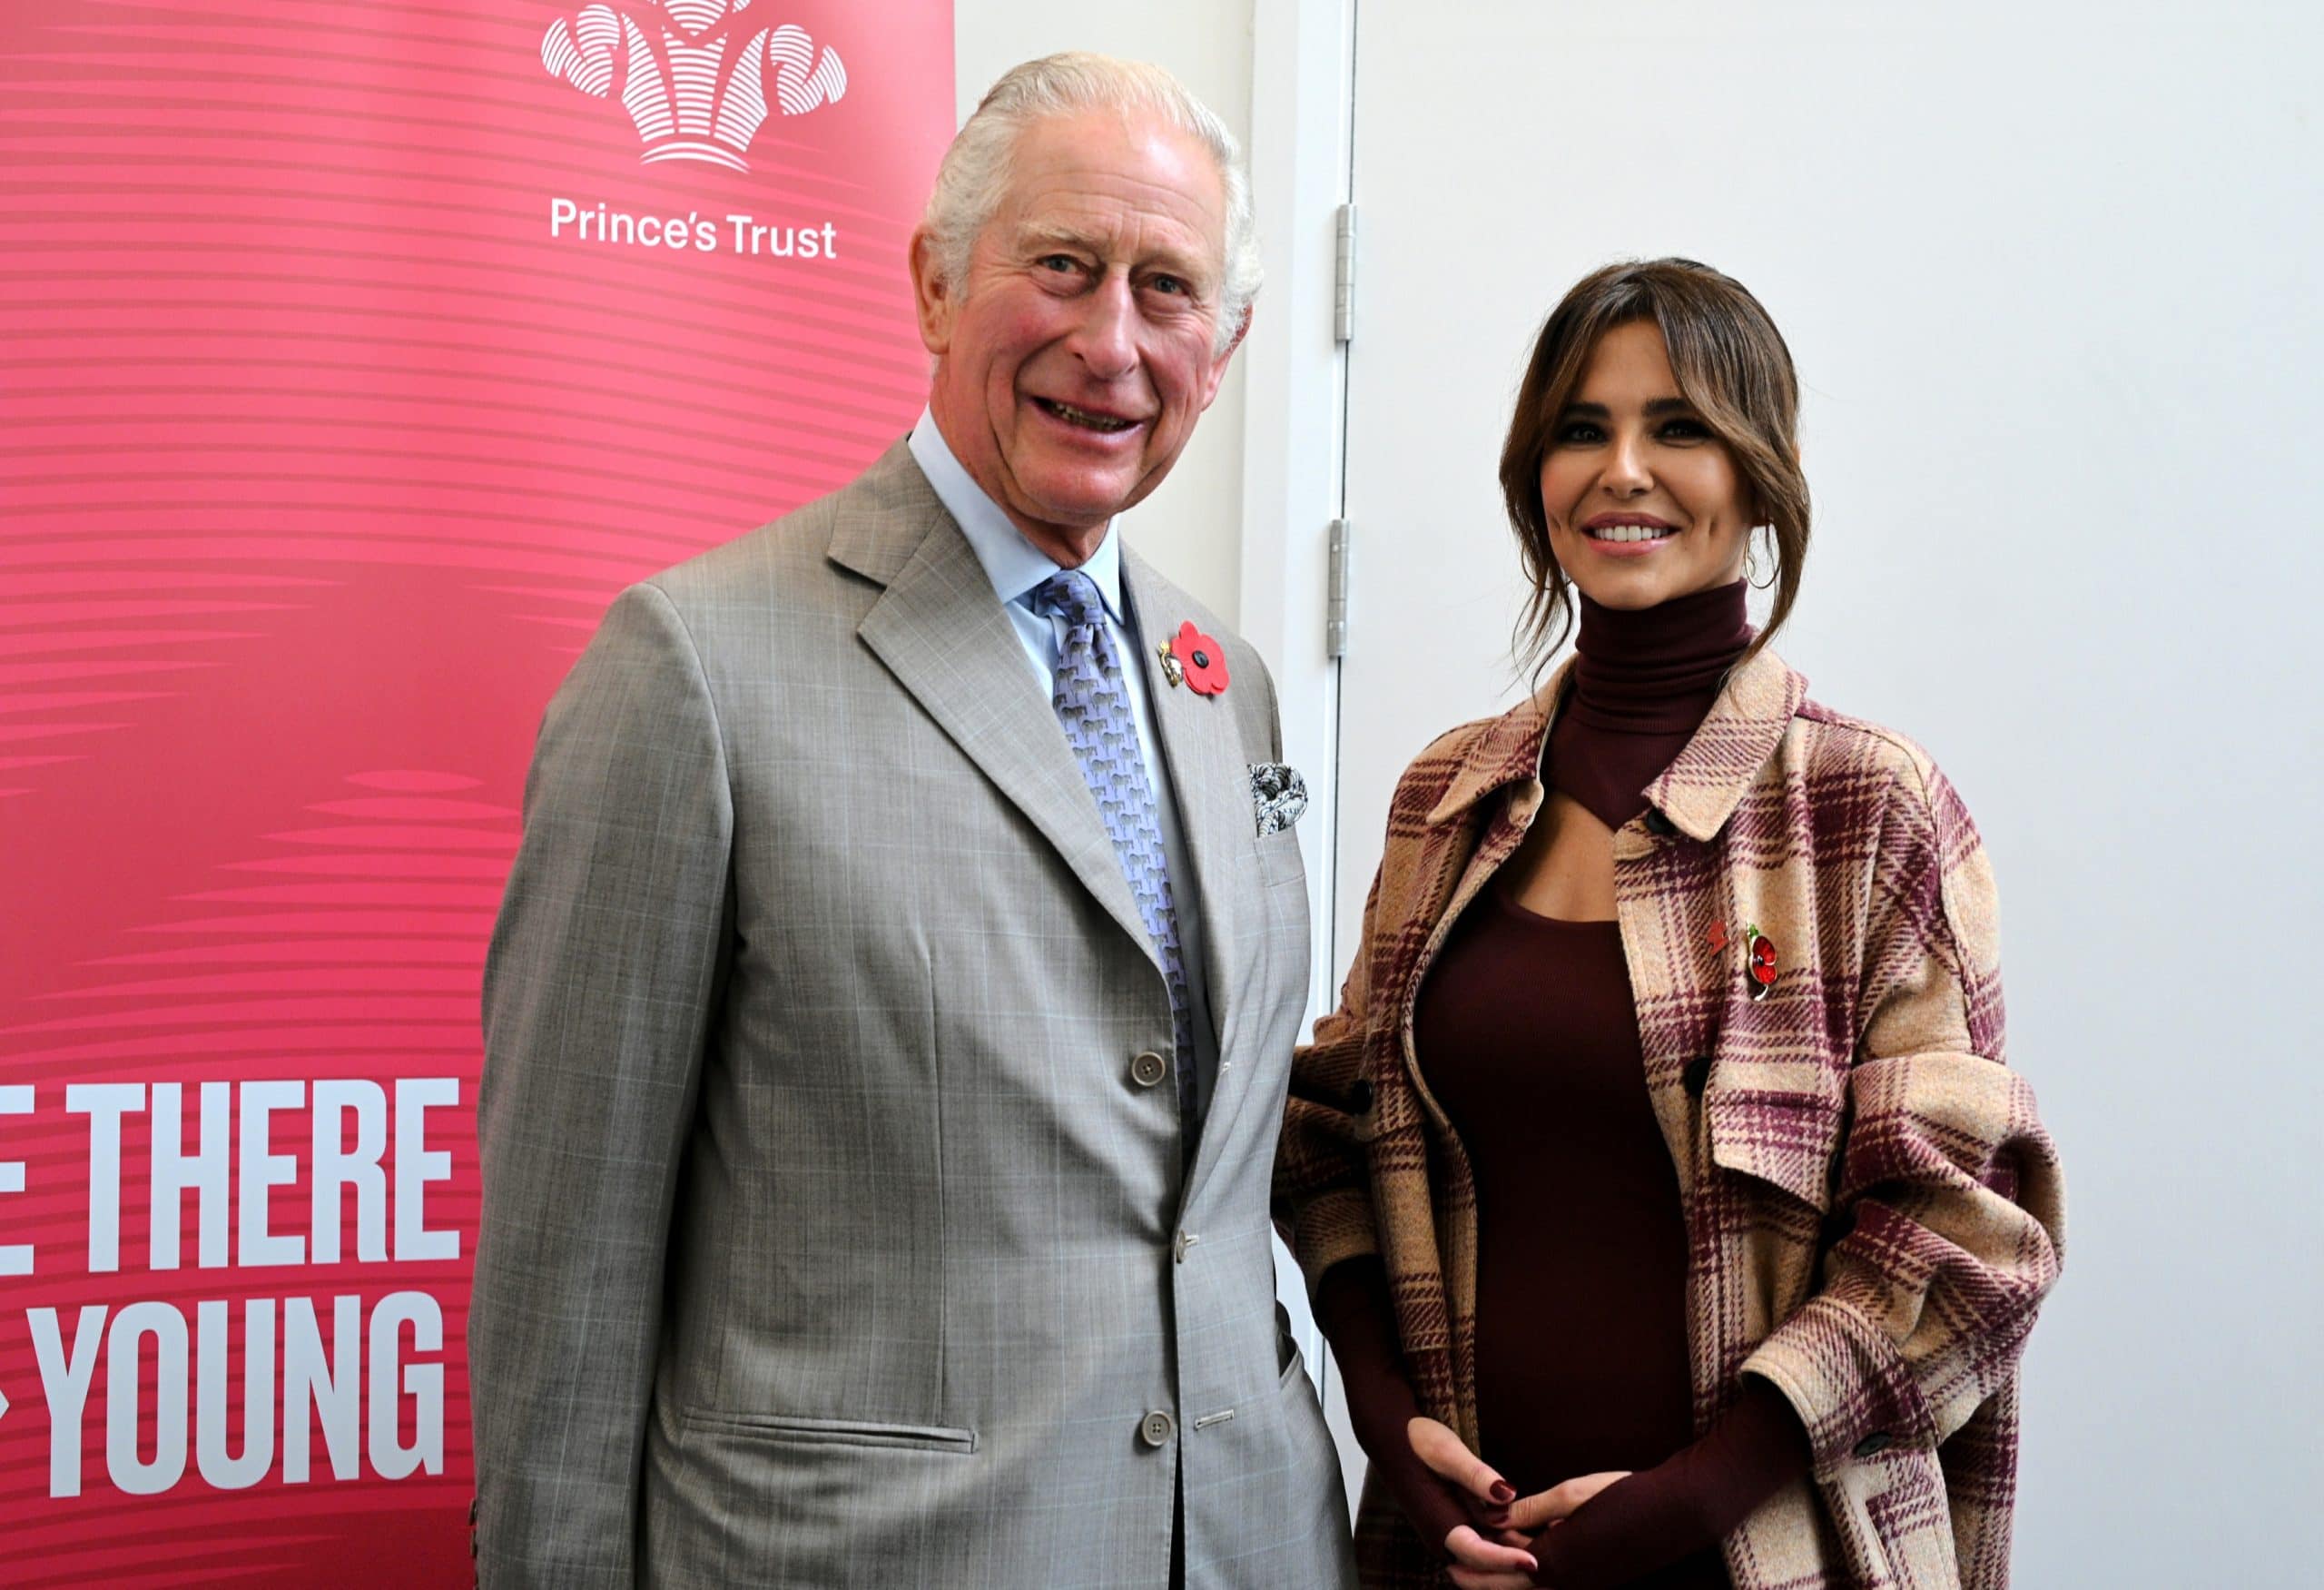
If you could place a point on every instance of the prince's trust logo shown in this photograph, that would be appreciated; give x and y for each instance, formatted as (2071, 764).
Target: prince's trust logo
(695, 75)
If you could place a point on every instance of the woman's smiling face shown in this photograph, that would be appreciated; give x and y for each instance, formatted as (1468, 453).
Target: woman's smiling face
(1644, 501)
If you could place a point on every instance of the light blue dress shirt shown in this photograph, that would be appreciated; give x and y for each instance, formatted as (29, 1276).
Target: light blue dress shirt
(1016, 568)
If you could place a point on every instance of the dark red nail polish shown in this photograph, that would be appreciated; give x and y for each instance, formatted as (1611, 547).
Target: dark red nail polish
(1501, 1491)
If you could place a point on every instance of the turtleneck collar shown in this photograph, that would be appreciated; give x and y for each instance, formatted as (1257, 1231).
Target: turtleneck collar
(1656, 670)
(1644, 684)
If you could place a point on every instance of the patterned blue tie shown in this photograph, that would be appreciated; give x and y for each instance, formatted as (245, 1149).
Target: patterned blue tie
(1094, 707)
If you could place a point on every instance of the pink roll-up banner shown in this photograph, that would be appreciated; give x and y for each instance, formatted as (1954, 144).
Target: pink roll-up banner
(351, 358)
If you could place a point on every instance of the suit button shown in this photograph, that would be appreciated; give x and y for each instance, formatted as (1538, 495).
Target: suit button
(1180, 1243)
(1697, 1073)
(1659, 825)
(1873, 1445)
(1155, 1428)
(1149, 1069)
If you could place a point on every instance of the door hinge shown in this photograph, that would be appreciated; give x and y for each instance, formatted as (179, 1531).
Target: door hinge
(1343, 277)
(1336, 602)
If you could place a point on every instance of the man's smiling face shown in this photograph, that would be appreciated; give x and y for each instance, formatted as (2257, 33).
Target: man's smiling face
(1073, 360)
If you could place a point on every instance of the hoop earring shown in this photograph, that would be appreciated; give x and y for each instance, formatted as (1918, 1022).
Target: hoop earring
(1751, 559)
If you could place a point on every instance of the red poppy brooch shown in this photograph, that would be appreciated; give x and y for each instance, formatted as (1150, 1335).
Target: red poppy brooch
(1759, 957)
(1194, 660)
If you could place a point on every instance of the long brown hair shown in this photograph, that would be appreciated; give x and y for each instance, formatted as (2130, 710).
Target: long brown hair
(1731, 364)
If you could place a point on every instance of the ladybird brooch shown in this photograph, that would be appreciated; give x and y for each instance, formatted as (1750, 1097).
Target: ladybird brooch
(1758, 956)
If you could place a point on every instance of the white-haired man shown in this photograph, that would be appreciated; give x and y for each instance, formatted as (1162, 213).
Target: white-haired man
(887, 1024)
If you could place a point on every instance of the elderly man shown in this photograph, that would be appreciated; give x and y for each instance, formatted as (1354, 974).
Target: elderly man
(887, 1024)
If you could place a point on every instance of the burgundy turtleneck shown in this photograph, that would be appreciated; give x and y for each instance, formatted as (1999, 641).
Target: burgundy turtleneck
(1644, 680)
(1527, 1032)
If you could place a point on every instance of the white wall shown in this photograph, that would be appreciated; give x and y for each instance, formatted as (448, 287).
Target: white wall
(2049, 272)
(1191, 527)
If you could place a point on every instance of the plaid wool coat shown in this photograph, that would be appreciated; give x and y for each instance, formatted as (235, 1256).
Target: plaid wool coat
(1874, 1210)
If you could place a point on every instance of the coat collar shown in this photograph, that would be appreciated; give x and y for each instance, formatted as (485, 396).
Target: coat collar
(1700, 789)
(939, 627)
(884, 517)
(941, 630)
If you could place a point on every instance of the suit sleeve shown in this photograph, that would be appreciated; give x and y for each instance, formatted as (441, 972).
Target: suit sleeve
(605, 971)
(1322, 1184)
(1948, 1194)
(1322, 1196)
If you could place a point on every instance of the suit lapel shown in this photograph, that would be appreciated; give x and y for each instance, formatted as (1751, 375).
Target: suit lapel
(942, 633)
(1202, 750)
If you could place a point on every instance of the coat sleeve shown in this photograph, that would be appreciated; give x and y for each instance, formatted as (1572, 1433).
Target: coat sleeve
(1322, 1185)
(1948, 1189)
(601, 983)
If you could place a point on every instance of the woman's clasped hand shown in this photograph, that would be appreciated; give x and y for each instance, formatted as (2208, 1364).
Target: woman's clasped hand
(1503, 1552)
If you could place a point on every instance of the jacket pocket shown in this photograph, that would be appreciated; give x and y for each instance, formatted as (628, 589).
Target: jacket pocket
(1789, 1139)
(800, 1430)
(1279, 861)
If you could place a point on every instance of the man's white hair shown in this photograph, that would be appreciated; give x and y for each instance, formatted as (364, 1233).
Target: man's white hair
(974, 177)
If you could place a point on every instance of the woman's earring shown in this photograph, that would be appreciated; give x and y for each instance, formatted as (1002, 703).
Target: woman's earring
(1751, 559)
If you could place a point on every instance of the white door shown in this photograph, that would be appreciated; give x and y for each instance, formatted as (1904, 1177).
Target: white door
(2049, 276)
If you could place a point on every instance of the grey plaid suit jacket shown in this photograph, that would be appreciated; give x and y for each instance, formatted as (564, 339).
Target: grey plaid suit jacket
(828, 1238)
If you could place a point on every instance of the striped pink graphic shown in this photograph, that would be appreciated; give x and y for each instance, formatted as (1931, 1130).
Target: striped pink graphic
(351, 358)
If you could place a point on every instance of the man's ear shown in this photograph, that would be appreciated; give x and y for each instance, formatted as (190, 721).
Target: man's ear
(933, 297)
(1219, 365)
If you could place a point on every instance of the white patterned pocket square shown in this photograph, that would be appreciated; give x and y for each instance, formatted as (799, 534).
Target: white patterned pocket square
(1278, 795)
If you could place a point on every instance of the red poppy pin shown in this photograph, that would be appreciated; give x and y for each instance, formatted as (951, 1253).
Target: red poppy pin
(1760, 962)
(1195, 659)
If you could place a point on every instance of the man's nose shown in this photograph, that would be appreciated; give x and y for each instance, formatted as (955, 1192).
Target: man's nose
(1107, 338)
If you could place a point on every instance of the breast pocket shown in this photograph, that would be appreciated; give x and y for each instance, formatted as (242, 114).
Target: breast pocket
(1278, 861)
(1789, 1139)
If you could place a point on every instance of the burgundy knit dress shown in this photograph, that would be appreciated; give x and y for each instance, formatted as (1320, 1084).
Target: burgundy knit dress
(1529, 1040)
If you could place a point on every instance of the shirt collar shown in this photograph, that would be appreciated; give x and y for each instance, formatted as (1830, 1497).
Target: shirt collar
(1014, 565)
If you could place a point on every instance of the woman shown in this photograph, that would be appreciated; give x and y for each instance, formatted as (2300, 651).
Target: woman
(1673, 1216)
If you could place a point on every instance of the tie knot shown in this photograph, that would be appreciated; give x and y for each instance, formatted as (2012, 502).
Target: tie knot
(1072, 595)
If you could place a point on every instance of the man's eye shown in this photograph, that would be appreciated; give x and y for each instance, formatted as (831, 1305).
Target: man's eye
(1059, 262)
(1172, 284)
